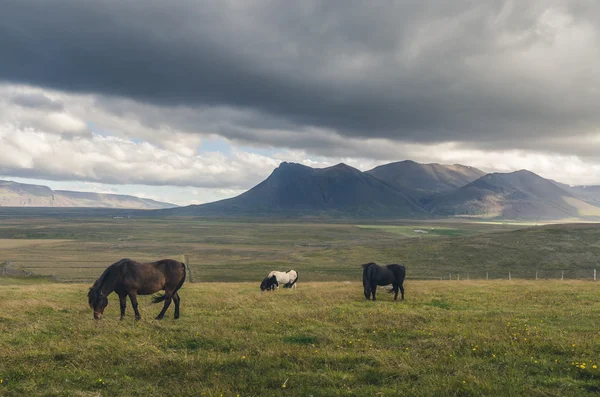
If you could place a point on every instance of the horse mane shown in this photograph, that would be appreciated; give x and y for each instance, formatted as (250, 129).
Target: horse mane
(94, 294)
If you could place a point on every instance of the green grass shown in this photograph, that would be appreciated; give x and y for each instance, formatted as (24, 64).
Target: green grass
(77, 250)
(422, 231)
(448, 338)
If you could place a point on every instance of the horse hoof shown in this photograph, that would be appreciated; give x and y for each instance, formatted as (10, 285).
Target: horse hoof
(158, 318)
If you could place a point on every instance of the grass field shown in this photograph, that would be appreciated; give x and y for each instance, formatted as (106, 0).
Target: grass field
(464, 338)
(448, 338)
(78, 249)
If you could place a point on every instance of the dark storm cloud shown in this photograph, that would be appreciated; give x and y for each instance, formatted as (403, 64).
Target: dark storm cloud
(486, 72)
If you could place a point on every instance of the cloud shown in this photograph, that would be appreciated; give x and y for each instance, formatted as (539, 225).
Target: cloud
(143, 90)
(507, 75)
(35, 100)
(111, 160)
(120, 141)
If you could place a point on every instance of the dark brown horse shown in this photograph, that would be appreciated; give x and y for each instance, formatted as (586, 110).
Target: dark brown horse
(374, 275)
(130, 278)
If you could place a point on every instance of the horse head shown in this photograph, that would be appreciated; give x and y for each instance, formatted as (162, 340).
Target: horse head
(264, 284)
(97, 302)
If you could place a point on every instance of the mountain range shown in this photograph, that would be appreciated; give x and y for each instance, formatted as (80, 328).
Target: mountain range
(14, 194)
(406, 189)
(400, 190)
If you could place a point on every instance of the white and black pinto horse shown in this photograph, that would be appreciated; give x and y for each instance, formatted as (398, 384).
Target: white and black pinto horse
(287, 279)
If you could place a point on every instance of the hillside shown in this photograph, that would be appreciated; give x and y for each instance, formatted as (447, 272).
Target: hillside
(13, 194)
(517, 195)
(294, 189)
(404, 190)
(589, 194)
(420, 180)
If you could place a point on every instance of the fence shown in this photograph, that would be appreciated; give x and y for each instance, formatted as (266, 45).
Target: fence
(543, 274)
(76, 271)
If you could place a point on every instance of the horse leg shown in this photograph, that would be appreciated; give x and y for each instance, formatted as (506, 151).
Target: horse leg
(134, 304)
(395, 287)
(367, 291)
(402, 291)
(123, 304)
(168, 298)
(176, 300)
(373, 290)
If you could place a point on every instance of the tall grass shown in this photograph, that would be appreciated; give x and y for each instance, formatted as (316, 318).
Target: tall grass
(448, 338)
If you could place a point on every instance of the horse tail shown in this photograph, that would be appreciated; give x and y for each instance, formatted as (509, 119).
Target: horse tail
(366, 272)
(290, 285)
(158, 298)
(182, 278)
(161, 297)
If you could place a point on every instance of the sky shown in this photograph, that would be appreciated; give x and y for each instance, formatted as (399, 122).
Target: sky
(194, 101)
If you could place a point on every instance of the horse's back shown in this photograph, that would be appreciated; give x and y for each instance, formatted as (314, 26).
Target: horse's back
(150, 277)
(398, 270)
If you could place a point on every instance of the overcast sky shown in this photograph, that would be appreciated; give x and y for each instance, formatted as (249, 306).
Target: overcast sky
(194, 101)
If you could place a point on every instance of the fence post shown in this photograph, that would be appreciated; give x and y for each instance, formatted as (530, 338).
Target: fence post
(594, 274)
(467, 276)
(509, 276)
(562, 275)
(486, 276)
(449, 276)
(536, 272)
(457, 276)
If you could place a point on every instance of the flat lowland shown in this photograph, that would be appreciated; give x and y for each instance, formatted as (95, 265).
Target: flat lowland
(467, 338)
(79, 249)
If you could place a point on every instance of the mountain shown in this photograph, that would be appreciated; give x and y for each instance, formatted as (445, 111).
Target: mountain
(421, 180)
(589, 194)
(297, 190)
(517, 195)
(13, 194)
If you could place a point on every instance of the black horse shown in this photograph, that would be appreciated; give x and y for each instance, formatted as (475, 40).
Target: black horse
(374, 275)
(130, 278)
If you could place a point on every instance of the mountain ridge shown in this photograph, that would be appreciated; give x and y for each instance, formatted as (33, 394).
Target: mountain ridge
(15, 194)
(404, 189)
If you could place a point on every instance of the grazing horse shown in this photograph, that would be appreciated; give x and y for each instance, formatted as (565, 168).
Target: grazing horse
(273, 279)
(130, 278)
(374, 275)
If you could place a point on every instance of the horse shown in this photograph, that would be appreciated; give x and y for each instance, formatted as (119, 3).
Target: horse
(130, 278)
(273, 279)
(374, 275)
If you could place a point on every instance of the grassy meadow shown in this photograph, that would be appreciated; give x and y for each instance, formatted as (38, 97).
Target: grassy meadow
(78, 249)
(467, 338)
